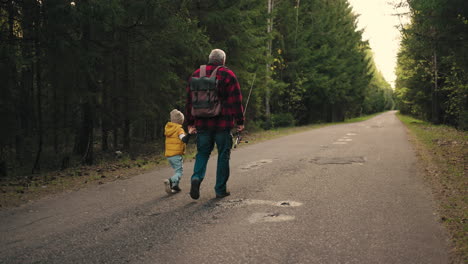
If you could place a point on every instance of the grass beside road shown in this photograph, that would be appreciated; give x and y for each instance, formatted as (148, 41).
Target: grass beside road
(444, 154)
(20, 190)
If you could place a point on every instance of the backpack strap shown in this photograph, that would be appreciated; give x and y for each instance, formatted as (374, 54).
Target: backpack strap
(213, 73)
(203, 71)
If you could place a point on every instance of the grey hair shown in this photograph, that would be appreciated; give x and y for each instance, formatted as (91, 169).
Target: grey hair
(217, 56)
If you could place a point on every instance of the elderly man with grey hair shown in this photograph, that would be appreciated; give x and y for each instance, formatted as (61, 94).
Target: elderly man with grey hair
(217, 57)
(214, 128)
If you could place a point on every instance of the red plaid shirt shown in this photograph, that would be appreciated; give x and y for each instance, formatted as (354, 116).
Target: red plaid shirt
(230, 96)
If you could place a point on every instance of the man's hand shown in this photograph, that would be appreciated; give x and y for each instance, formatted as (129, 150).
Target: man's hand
(240, 128)
(192, 129)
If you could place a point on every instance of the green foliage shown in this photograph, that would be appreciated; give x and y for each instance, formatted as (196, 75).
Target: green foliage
(325, 62)
(282, 120)
(432, 63)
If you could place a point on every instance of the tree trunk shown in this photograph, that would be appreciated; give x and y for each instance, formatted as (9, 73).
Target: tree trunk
(11, 85)
(86, 141)
(3, 163)
(115, 103)
(297, 22)
(126, 87)
(86, 146)
(435, 92)
(38, 51)
(65, 121)
(126, 134)
(36, 166)
(104, 112)
(55, 107)
(115, 137)
(105, 141)
(269, 48)
(327, 111)
(27, 111)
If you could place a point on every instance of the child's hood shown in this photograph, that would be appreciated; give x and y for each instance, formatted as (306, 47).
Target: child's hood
(171, 129)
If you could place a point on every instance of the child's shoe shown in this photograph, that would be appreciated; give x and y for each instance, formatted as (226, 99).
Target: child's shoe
(175, 189)
(168, 185)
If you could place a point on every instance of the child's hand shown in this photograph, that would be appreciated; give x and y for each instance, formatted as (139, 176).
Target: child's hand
(192, 130)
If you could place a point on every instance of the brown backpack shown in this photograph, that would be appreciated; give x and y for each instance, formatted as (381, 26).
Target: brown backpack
(204, 92)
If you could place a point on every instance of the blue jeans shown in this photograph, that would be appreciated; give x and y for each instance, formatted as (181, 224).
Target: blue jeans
(176, 163)
(205, 145)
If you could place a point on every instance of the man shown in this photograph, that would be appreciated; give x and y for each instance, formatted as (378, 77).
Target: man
(217, 129)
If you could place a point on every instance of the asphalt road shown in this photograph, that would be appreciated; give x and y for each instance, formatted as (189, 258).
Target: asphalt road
(349, 193)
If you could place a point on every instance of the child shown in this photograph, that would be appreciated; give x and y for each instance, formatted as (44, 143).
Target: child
(176, 140)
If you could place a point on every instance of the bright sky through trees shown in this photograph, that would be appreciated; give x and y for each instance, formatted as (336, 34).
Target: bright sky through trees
(379, 23)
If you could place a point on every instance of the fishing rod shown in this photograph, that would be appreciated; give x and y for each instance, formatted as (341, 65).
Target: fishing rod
(238, 133)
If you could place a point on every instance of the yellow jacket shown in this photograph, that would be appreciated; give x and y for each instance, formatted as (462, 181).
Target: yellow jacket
(174, 146)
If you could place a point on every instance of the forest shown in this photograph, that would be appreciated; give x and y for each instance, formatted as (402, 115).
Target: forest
(432, 81)
(83, 78)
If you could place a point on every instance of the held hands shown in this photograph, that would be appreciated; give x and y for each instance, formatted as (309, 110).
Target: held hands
(192, 129)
